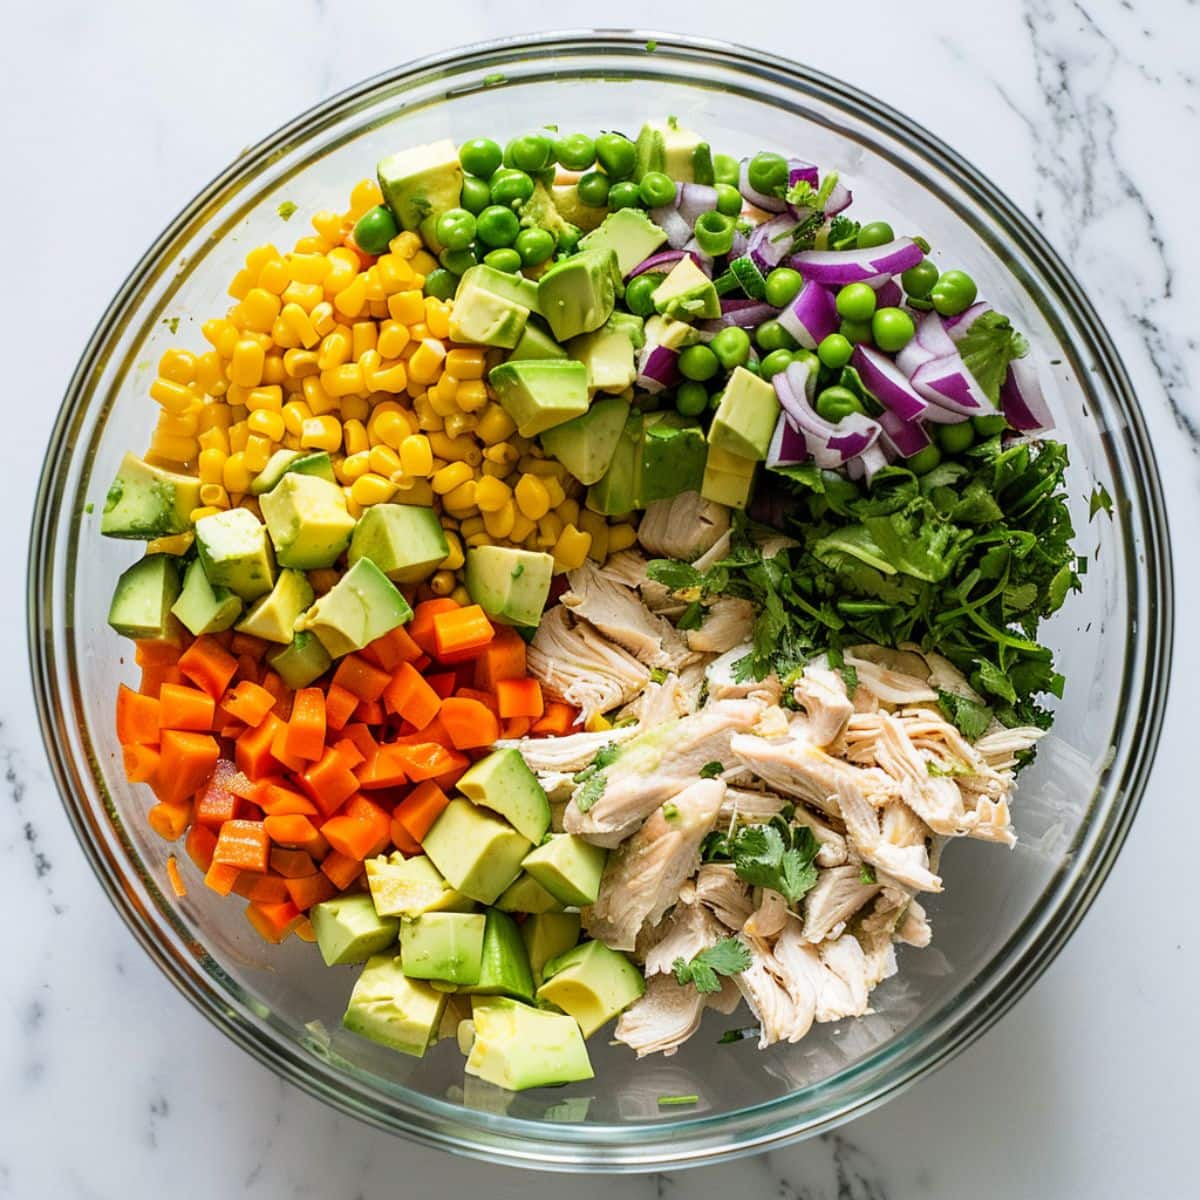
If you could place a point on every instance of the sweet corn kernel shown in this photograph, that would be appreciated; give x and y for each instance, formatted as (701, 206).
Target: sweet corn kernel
(259, 255)
(182, 424)
(458, 423)
(363, 337)
(365, 195)
(267, 423)
(300, 325)
(257, 452)
(295, 413)
(215, 330)
(442, 583)
(335, 349)
(557, 495)
(345, 380)
(491, 494)
(245, 368)
(450, 477)
(532, 497)
(354, 437)
(461, 596)
(549, 527)
(371, 489)
(406, 307)
(597, 723)
(471, 395)
(423, 262)
(456, 449)
(353, 467)
(455, 559)
(405, 244)
(355, 408)
(214, 439)
(176, 543)
(306, 268)
(316, 397)
(461, 499)
(327, 224)
(307, 297)
(321, 433)
(502, 453)
(210, 464)
(241, 283)
(300, 363)
(214, 495)
(393, 337)
(466, 363)
(273, 277)
(204, 510)
(495, 426)
(394, 273)
(269, 398)
(236, 476)
(543, 468)
(238, 433)
(174, 397)
(522, 528)
(323, 319)
(391, 377)
(352, 299)
(441, 398)
(416, 456)
(426, 362)
(179, 366)
(437, 317)
(568, 512)
(499, 523)
(210, 375)
(419, 332)
(174, 448)
(621, 537)
(389, 424)
(385, 461)
(258, 310)
(571, 548)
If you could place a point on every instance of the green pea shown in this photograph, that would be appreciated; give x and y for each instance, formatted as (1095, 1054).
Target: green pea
(731, 346)
(691, 398)
(509, 187)
(593, 189)
(624, 195)
(990, 425)
(953, 293)
(770, 335)
(856, 331)
(835, 351)
(768, 173)
(808, 358)
(441, 283)
(480, 156)
(497, 226)
(783, 286)
(657, 189)
(534, 246)
(729, 200)
(834, 403)
(714, 401)
(458, 261)
(456, 229)
(773, 363)
(954, 439)
(726, 169)
(924, 460)
(875, 233)
(892, 329)
(616, 154)
(919, 280)
(374, 229)
(504, 258)
(639, 293)
(568, 237)
(576, 151)
(714, 233)
(533, 152)
(698, 362)
(856, 302)
(476, 195)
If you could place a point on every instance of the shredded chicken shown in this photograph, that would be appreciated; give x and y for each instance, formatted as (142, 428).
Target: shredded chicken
(683, 527)
(728, 622)
(688, 930)
(822, 695)
(837, 895)
(719, 889)
(662, 1019)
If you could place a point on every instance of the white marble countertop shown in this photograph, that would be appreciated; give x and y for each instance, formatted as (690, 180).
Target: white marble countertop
(113, 115)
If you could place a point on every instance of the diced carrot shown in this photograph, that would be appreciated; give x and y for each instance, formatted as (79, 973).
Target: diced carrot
(411, 697)
(253, 750)
(279, 801)
(185, 708)
(228, 728)
(291, 864)
(329, 782)
(153, 677)
(216, 802)
(304, 927)
(169, 820)
(516, 727)
(389, 651)
(306, 726)
(487, 699)
(243, 844)
(279, 750)
(502, 658)
(248, 702)
(273, 921)
(520, 698)
(208, 665)
(296, 832)
(402, 839)
(420, 628)
(470, 723)
(360, 831)
(137, 717)
(557, 720)
(141, 763)
(340, 869)
(384, 769)
(443, 682)
(281, 692)
(221, 877)
(435, 731)
(339, 706)
(187, 760)
(429, 760)
(200, 844)
(317, 888)
(369, 712)
(156, 654)
(357, 675)
(249, 645)
(461, 633)
(421, 808)
(267, 889)
(174, 878)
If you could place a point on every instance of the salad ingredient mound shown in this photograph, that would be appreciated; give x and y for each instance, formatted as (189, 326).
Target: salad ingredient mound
(590, 580)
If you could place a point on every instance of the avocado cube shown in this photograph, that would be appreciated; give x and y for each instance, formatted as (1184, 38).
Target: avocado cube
(539, 393)
(479, 854)
(301, 661)
(504, 966)
(314, 462)
(236, 553)
(568, 868)
(410, 887)
(274, 471)
(349, 930)
(687, 294)
(516, 289)
(421, 183)
(389, 1008)
(536, 343)
(142, 599)
(616, 491)
(502, 782)
(591, 983)
(668, 332)
(518, 1047)
(273, 618)
(728, 478)
(363, 605)
(676, 152)
(673, 456)
(586, 446)
(405, 541)
(586, 217)
(308, 521)
(145, 502)
(510, 585)
(526, 895)
(484, 318)
(447, 946)
(546, 936)
(203, 608)
(578, 293)
(608, 354)
(629, 234)
(745, 420)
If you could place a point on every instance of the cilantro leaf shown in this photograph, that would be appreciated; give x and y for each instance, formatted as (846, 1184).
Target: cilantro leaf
(779, 856)
(678, 576)
(968, 717)
(843, 233)
(727, 957)
(866, 874)
(1099, 501)
(988, 347)
(711, 770)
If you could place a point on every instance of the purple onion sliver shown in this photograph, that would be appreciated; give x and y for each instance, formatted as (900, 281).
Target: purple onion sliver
(904, 438)
(662, 260)
(957, 326)
(839, 267)
(671, 222)
(932, 336)
(872, 460)
(840, 198)
(695, 199)
(811, 316)
(912, 356)
(1021, 399)
(788, 445)
(888, 383)
(947, 383)
(799, 170)
(888, 294)
(658, 368)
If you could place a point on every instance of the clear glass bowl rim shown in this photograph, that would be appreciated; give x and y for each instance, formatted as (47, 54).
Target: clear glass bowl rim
(683, 1141)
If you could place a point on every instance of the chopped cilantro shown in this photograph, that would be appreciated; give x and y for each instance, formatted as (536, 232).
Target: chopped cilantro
(666, 1100)
(658, 675)
(1099, 501)
(651, 46)
(517, 571)
(866, 874)
(89, 508)
(738, 1035)
(777, 856)
(494, 78)
(988, 347)
(843, 233)
(286, 210)
(967, 716)
(670, 811)
(726, 957)
(711, 770)
(172, 323)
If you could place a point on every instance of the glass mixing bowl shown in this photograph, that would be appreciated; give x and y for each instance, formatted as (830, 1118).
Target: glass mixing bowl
(1004, 915)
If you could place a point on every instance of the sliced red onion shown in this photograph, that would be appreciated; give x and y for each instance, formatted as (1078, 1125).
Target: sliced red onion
(658, 368)
(672, 223)
(800, 171)
(761, 200)
(831, 445)
(740, 242)
(888, 294)
(663, 260)
(947, 383)
(788, 446)
(912, 356)
(1021, 398)
(840, 197)
(746, 314)
(811, 316)
(840, 267)
(801, 383)
(695, 199)
(887, 382)
(705, 261)
(871, 460)
(905, 438)
(770, 243)
(932, 335)
(956, 327)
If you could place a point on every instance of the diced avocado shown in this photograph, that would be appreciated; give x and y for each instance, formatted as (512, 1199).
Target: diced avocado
(204, 608)
(393, 1010)
(405, 541)
(502, 782)
(630, 324)
(301, 661)
(516, 289)
(349, 930)
(666, 331)
(363, 605)
(586, 445)
(615, 492)
(676, 152)
(519, 1047)
(540, 393)
(510, 585)
(592, 984)
(629, 234)
(540, 211)
(409, 887)
(479, 854)
(573, 210)
(536, 343)
(485, 319)
(236, 553)
(527, 896)
(546, 936)
(308, 521)
(577, 294)
(673, 456)
(142, 599)
(316, 462)
(745, 419)
(608, 354)
(145, 502)
(687, 293)
(442, 945)
(568, 868)
(504, 968)
(273, 618)
(728, 478)
(421, 183)
(273, 472)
